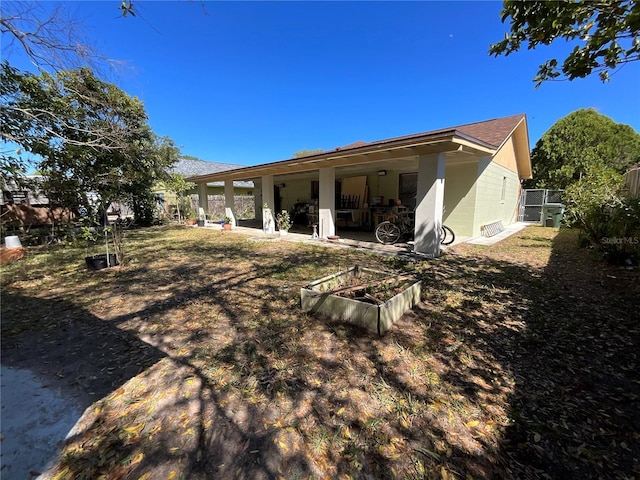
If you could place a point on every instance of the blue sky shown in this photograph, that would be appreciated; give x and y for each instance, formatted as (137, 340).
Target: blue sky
(254, 82)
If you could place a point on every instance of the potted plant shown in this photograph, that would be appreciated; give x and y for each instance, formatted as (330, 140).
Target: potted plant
(283, 221)
(226, 223)
(103, 260)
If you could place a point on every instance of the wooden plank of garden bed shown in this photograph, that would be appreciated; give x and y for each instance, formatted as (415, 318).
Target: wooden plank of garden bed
(350, 288)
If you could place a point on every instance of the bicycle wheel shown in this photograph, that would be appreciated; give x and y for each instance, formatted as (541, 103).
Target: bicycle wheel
(388, 233)
(446, 235)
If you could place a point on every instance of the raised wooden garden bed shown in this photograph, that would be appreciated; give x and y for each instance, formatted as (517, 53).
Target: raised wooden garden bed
(370, 298)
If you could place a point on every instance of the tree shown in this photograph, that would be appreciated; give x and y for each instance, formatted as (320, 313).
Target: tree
(582, 139)
(305, 152)
(606, 33)
(90, 135)
(51, 38)
(179, 186)
(598, 204)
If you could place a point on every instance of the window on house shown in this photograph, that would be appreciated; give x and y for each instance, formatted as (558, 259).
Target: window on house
(408, 189)
(315, 190)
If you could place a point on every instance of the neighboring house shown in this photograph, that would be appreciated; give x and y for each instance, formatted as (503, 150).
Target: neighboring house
(190, 167)
(466, 176)
(24, 207)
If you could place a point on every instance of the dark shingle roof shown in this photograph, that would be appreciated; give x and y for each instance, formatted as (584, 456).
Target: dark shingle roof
(494, 132)
(490, 132)
(191, 168)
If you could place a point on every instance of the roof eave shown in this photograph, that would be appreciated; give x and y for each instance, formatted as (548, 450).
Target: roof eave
(523, 158)
(444, 141)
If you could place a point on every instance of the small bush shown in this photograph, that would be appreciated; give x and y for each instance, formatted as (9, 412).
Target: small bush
(283, 220)
(611, 221)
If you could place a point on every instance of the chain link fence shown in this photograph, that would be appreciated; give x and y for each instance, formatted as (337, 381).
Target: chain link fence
(532, 201)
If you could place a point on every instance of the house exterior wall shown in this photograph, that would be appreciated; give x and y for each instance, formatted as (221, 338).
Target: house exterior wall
(497, 191)
(27, 216)
(299, 191)
(460, 198)
(383, 186)
(506, 156)
(295, 192)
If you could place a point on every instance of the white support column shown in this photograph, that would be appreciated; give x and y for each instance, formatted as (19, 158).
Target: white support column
(257, 197)
(268, 221)
(203, 199)
(429, 204)
(327, 202)
(229, 201)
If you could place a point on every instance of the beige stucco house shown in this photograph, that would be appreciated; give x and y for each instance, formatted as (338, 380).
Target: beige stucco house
(466, 176)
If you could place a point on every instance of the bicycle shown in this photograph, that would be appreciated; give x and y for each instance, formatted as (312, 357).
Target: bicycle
(390, 232)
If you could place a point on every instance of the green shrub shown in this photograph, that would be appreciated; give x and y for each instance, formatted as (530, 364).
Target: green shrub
(611, 221)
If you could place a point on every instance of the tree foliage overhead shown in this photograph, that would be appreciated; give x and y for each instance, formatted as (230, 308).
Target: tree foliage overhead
(49, 35)
(606, 34)
(582, 139)
(90, 135)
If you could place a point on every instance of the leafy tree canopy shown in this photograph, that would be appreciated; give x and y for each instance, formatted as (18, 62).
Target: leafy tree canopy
(582, 139)
(176, 183)
(606, 32)
(305, 152)
(90, 135)
(191, 157)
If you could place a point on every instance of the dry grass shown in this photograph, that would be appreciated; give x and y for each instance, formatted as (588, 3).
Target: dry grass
(197, 362)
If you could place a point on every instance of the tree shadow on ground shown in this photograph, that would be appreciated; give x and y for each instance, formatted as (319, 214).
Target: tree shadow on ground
(479, 380)
(559, 344)
(78, 353)
(574, 413)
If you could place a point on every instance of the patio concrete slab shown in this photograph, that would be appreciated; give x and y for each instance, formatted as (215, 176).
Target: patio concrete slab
(508, 231)
(366, 240)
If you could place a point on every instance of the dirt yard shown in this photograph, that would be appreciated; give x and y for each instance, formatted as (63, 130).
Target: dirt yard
(195, 361)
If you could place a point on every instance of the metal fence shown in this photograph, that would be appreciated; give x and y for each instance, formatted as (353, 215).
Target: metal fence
(532, 200)
(244, 206)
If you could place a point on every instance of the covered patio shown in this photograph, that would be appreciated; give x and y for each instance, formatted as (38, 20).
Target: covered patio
(356, 239)
(350, 189)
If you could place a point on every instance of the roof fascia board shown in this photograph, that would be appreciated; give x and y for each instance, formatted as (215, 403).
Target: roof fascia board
(333, 158)
(523, 156)
(428, 143)
(474, 145)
